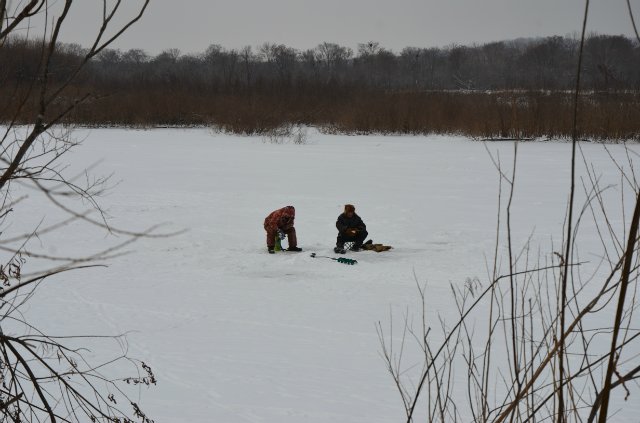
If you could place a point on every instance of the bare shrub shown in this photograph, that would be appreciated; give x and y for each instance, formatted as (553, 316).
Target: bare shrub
(300, 135)
(556, 342)
(294, 134)
(511, 359)
(46, 377)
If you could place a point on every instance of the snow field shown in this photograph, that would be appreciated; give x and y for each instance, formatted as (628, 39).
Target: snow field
(237, 335)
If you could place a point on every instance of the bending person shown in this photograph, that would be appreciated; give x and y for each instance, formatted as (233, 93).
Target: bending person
(281, 220)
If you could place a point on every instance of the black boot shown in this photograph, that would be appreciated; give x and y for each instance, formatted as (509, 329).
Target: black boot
(339, 249)
(271, 250)
(295, 249)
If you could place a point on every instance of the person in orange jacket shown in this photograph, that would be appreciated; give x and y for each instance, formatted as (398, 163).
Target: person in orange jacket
(281, 220)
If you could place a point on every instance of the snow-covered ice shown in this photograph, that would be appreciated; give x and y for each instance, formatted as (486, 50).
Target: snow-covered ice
(237, 335)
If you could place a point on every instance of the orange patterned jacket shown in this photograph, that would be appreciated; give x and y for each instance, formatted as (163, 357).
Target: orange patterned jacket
(280, 219)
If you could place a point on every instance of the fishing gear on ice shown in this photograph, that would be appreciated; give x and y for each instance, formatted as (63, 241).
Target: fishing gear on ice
(342, 260)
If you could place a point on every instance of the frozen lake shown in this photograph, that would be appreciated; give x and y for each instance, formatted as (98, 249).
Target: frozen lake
(237, 335)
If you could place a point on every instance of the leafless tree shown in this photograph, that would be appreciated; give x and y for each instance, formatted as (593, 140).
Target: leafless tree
(332, 56)
(247, 58)
(547, 320)
(44, 377)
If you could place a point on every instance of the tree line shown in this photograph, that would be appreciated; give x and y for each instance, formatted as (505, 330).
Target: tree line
(252, 89)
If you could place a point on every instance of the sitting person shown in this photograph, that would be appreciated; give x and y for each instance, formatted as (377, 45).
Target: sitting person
(350, 229)
(282, 220)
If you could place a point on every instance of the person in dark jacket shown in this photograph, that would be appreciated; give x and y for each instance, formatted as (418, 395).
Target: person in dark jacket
(351, 228)
(281, 220)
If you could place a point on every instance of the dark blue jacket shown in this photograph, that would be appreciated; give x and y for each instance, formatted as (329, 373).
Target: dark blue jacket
(345, 223)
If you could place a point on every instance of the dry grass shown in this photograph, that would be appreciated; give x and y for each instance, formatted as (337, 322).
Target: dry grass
(504, 114)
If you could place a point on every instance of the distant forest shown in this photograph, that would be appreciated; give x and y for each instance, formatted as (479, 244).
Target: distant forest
(517, 88)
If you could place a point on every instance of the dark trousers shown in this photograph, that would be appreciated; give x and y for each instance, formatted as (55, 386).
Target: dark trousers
(358, 239)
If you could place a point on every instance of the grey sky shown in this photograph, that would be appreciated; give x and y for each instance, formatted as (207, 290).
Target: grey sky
(192, 25)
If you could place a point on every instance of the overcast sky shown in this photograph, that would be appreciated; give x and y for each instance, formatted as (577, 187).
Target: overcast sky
(192, 25)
